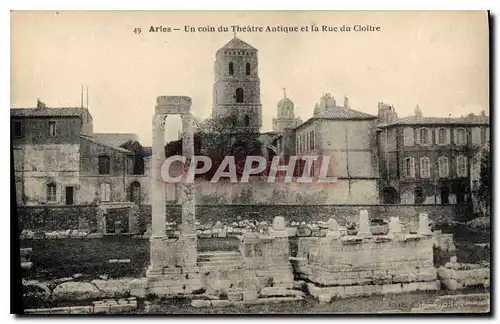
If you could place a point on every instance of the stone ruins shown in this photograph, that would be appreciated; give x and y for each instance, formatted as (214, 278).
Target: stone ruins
(340, 263)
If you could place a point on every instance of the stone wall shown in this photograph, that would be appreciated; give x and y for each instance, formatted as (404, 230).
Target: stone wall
(57, 217)
(53, 218)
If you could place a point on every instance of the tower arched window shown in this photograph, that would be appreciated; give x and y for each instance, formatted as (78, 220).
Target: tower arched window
(231, 68)
(247, 68)
(246, 121)
(239, 95)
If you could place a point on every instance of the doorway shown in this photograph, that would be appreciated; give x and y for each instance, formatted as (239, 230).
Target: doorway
(69, 195)
(445, 195)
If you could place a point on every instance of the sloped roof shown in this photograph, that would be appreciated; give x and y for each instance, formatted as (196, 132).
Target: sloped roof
(343, 113)
(48, 112)
(115, 139)
(96, 141)
(414, 120)
(237, 43)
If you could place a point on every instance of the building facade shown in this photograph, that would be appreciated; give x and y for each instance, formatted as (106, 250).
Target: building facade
(58, 160)
(427, 160)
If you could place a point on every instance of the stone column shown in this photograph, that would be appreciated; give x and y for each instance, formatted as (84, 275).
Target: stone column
(423, 224)
(364, 223)
(187, 194)
(187, 198)
(157, 184)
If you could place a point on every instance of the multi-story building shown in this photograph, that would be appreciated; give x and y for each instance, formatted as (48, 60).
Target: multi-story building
(347, 137)
(425, 160)
(59, 160)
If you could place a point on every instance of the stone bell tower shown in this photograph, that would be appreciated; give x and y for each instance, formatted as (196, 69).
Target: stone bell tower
(236, 90)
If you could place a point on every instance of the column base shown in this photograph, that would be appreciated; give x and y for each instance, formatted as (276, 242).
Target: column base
(162, 252)
(187, 253)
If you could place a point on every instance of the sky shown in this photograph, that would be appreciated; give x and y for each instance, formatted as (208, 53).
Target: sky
(438, 60)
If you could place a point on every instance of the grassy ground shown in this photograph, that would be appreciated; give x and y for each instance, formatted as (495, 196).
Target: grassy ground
(402, 302)
(90, 257)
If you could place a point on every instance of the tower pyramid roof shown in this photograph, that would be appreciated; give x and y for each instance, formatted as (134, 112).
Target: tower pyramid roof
(237, 43)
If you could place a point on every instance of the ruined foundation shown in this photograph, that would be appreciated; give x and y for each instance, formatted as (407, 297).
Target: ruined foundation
(339, 266)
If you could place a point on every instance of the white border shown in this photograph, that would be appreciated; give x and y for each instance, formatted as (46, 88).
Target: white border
(192, 5)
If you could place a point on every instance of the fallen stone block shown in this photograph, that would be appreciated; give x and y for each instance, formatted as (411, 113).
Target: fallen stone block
(26, 266)
(249, 295)
(200, 303)
(118, 308)
(61, 280)
(76, 290)
(451, 284)
(81, 310)
(60, 310)
(37, 311)
(325, 297)
(113, 288)
(220, 303)
(234, 295)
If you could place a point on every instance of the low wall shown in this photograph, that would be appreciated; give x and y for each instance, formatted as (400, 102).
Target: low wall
(51, 218)
(54, 218)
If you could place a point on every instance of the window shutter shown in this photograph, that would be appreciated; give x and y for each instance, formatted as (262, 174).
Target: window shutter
(436, 136)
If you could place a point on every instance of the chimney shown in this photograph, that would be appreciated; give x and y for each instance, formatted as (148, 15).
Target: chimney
(40, 105)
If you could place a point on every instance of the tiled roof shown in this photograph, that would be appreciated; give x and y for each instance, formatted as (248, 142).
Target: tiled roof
(343, 113)
(237, 43)
(96, 141)
(115, 139)
(47, 112)
(414, 120)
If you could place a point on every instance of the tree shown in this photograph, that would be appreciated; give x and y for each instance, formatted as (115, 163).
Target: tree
(139, 154)
(485, 180)
(218, 138)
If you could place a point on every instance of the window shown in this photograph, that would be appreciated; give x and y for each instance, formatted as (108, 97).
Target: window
(460, 138)
(476, 136)
(51, 192)
(105, 192)
(231, 68)
(247, 69)
(409, 167)
(17, 129)
(424, 136)
(425, 167)
(444, 171)
(312, 140)
(462, 166)
(239, 95)
(419, 195)
(246, 120)
(408, 137)
(104, 164)
(52, 128)
(443, 136)
(307, 142)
